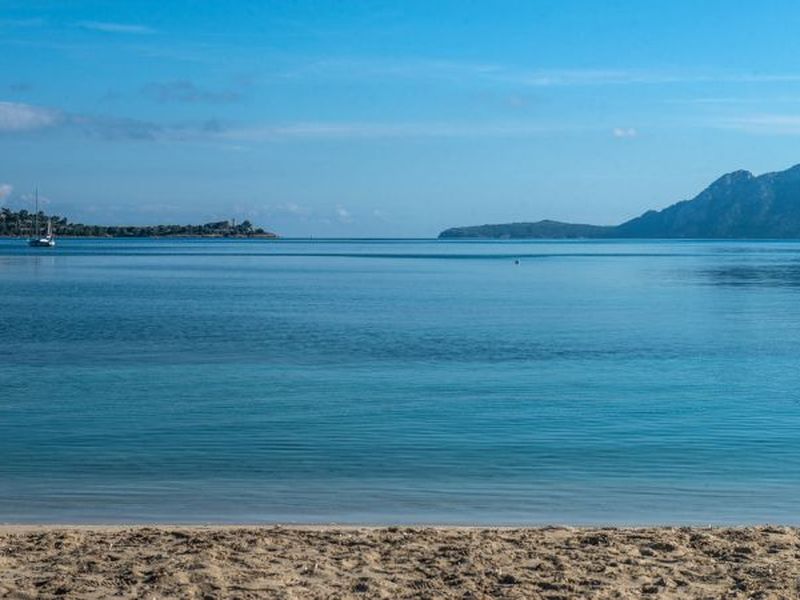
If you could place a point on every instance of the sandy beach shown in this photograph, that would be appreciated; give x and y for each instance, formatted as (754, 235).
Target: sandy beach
(330, 562)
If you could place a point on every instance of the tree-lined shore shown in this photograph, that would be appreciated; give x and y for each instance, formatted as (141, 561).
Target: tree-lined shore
(22, 224)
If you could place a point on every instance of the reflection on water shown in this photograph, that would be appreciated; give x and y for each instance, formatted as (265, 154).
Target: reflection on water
(755, 275)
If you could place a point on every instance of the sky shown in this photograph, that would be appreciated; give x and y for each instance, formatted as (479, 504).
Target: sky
(381, 119)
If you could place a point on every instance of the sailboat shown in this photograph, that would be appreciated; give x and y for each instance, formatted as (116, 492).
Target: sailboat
(37, 241)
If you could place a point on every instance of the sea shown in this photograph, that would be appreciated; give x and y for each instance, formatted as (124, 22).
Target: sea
(400, 382)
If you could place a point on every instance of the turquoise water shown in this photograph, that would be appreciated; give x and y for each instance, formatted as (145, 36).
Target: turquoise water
(400, 382)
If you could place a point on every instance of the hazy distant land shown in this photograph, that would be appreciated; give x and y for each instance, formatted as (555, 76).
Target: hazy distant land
(22, 224)
(737, 205)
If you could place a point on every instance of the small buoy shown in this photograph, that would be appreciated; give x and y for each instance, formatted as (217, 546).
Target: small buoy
(516, 261)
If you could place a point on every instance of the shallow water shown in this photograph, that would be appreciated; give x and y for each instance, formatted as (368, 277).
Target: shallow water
(388, 381)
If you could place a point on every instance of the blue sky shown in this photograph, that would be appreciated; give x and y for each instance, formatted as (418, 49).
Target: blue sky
(389, 118)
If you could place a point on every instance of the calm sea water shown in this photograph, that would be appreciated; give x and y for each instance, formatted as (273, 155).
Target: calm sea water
(400, 382)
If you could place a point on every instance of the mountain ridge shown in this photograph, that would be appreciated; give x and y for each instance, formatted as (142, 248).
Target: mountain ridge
(736, 205)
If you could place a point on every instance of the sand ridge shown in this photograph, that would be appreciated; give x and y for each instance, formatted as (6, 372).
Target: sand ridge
(398, 562)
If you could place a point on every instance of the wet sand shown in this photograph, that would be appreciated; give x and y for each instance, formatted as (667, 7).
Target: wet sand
(330, 562)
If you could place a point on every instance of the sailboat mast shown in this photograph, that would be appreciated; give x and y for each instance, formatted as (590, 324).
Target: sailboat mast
(36, 216)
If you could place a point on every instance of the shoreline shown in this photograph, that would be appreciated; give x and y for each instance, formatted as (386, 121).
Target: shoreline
(312, 561)
(260, 236)
(11, 527)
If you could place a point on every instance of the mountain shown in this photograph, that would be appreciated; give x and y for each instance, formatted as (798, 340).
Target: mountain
(737, 205)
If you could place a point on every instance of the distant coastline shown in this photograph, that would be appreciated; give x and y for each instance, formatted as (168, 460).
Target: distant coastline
(21, 224)
(738, 205)
(266, 235)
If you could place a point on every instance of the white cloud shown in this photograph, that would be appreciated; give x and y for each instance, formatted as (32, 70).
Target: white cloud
(108, 27)
(5, 190)
(624, 132)
(343, 215)
(15, 116)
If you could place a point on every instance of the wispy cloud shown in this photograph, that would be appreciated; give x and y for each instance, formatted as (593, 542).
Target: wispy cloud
(343, 215)
(590, 77)
(379, 130)
(289, 209)
(519, 75)
(733, 100)
(119, 128)
(5, 190)
(19, 118)
(381, 215)
(765, 124)
(16, 116)
(297, 209)
(109, 27)
(122, 128)
(29, 198)
(583, 77)
(624, 132)
(189, 92)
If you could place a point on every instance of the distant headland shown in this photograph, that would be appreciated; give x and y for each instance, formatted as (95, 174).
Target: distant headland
(738, 205)
(21, 224)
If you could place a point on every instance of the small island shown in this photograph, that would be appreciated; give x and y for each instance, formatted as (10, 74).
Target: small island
(22, 224)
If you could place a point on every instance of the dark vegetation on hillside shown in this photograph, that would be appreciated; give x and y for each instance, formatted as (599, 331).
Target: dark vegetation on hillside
(22, 223)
